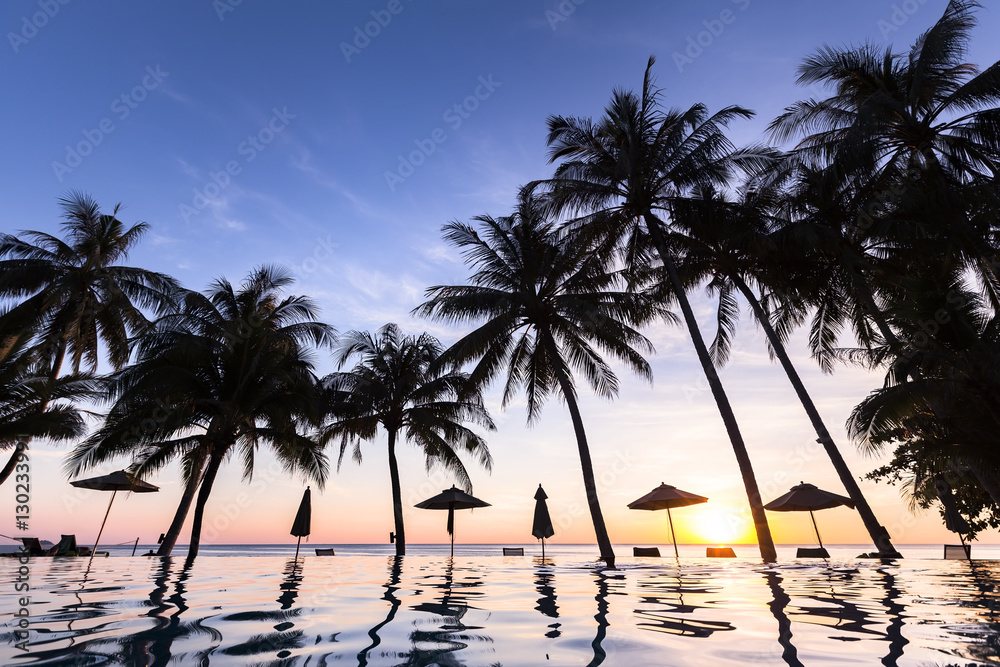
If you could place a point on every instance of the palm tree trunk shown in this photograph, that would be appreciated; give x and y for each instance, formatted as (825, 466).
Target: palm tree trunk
(397, 496)
(170, 537)
(589, 482)
(764, 540)
(199, 510)
(879, 535)
(10, 465)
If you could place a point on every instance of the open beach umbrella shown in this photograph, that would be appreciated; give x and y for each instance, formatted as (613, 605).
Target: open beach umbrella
(665, 497)
(114, 482)
(541, 525)
(452, 499)
(808, 498)
(303, 519)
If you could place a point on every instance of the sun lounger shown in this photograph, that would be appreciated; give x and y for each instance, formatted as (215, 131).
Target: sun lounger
(513, 551)
(720, 552)
(66, 547)
(650, 552)
(958, 551)
(812, 552)
(325, 552)
(33, 546)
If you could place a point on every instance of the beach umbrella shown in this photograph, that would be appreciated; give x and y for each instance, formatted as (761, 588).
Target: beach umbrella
(114, 482)
(452, 499)
(808, 498)
(541, 525)
(303, 519)
(666, 497)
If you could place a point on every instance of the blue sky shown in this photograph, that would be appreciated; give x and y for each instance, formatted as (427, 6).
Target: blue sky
(251, 132)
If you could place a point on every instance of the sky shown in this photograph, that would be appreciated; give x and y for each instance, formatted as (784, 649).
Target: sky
(336, 139)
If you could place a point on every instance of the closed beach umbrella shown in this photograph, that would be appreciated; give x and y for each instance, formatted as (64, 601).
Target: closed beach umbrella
(303, 519)
(808, 498)
(665, 497)
(452, 499)
(114, 482)
(541, 525)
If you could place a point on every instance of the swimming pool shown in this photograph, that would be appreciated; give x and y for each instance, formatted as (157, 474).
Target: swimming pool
(494, 610)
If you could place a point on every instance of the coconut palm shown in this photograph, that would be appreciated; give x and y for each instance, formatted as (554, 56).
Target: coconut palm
(920, 129)
(228, 374)
(940, 395)
(622, 174)
(733, 246)
(30, 405)
(545, 309)
(79, 289)
(400, 385)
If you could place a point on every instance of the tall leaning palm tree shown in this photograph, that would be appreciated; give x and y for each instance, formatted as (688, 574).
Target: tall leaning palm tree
(79, 289)
(545, 308)
(400, 385)
(731, 244)
(622, 173)
(229, 374)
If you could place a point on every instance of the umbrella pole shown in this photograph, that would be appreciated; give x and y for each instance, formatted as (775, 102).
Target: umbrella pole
(543, 548)
(672, 535)
(297, 545)
(96, 542)
(816, 528)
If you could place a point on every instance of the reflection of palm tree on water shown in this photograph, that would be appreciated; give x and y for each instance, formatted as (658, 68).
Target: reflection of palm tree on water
(395, 568)
(780, 600)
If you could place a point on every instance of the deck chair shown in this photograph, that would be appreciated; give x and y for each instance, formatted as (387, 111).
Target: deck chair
(811, 552)
(958, 551)
(652, 552)
(720, 552)
(66, 547)
(513, 551)
(325, 552)
(33, 546)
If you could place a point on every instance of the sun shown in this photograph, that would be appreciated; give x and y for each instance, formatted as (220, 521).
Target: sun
(718, 525)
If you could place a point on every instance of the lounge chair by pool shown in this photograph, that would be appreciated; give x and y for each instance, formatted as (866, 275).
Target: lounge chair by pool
(651, 552)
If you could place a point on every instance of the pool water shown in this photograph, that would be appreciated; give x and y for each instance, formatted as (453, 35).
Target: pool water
(493, 610)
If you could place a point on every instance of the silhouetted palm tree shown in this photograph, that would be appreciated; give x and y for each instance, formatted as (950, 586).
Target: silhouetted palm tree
(32, 406)
(230, 373)
(78, 289)
(623, 173)
(399, 384)
(918, 129)
(733, 246)
(546, 308)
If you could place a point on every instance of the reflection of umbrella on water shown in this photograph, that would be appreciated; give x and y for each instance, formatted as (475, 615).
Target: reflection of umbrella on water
(452, 499)
(114, 482)
(541, 525)
(807, 498)
(303, 519)
(664, 497)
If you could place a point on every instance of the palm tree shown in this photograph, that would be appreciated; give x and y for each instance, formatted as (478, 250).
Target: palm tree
(940, 395)
(400, 385)
(734, 246)
(30, 405)
(623, 173)
(920, 129)
(547, 307)
(79, 289)
(230, 373)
